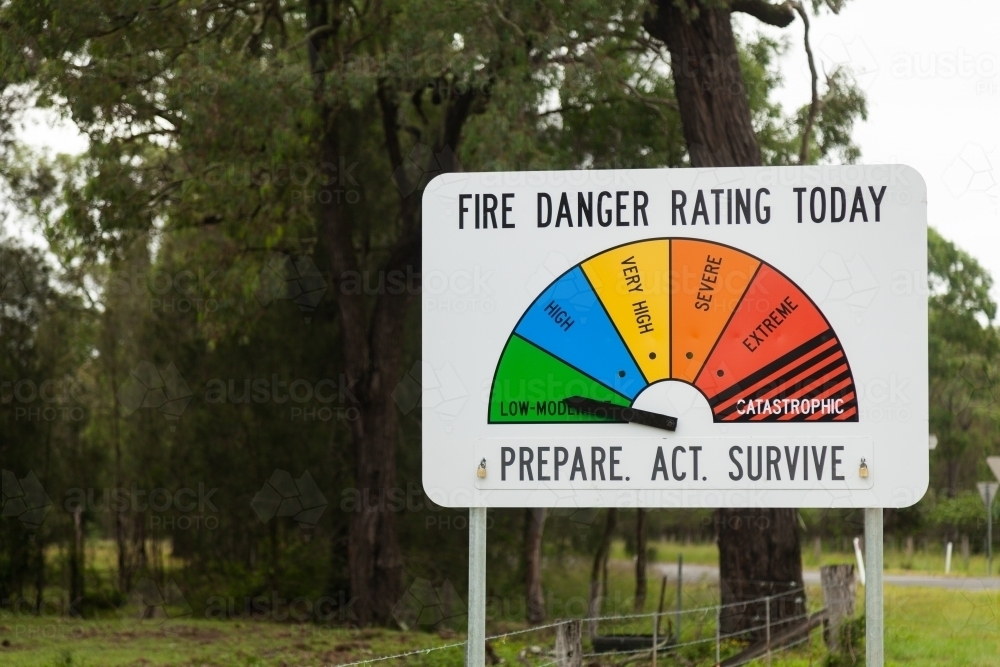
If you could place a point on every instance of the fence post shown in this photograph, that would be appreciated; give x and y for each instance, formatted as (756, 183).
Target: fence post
(569, 644)
(839, 592)
(718, 632)
(680, 587)
(656, 621)
(767, 612)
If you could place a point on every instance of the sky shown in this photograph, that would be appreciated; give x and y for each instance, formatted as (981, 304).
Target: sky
(931, 72)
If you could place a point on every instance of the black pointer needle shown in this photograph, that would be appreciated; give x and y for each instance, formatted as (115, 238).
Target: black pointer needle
(619, 413)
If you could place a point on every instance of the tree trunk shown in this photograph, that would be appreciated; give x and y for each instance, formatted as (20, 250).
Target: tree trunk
(600, 567)
(711, 94)
(759, 555)
(952, 477)
(759, 551)
(39, 545)
(535, 526)
(77, 564)
(370, 335)
(124, 575)
(374, 555)
(372, 358)
(641, 542)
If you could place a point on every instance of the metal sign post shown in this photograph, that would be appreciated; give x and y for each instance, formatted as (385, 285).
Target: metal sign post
(994, 463)
(988, 492)
(475, 649)
(874, 618)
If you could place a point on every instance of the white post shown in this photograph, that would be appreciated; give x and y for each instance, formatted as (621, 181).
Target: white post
(989, 532)
(475, 648)
(718, 632)
(655, 638)
(861, 561)
(947, 559)
(680, 588)
(874, 621)
(767, 607)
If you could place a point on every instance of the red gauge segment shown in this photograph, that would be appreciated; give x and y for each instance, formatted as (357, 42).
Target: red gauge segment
(776, 358)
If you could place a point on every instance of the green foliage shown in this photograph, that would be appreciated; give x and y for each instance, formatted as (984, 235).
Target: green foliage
(960, 290)
(965, 512)
(176, 236)
(43, 347)
(964, 344)
(780, 136)
(852, 642)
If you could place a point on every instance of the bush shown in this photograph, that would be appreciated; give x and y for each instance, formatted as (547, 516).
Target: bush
(965, 511)
(852, 642)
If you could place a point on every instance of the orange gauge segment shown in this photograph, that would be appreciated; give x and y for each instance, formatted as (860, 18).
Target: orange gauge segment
(707, 281)
(632, 283)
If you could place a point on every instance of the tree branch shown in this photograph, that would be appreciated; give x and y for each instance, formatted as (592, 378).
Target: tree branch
(814, 104)
(765, 12)
(315, 33)
(390, 111)
(652, 101)
(455, 116)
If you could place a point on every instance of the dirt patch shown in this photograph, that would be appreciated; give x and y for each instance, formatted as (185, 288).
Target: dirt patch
(351, 646)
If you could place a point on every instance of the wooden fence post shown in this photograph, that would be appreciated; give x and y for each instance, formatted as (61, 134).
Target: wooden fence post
(839, 592)
(569, 644)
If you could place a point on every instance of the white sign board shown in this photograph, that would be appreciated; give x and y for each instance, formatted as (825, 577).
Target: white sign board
(746, 337)
(988, 492)
(994, 463)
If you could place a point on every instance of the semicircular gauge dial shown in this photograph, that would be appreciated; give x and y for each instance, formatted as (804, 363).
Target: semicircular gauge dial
(704, 313)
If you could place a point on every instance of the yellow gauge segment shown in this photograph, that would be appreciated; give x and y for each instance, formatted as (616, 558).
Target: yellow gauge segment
(633, 283)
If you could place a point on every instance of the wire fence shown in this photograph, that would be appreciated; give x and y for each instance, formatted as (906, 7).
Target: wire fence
(706, 620)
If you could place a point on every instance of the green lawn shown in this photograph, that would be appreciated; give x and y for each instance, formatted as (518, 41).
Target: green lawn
(937, 627)
(924, 628)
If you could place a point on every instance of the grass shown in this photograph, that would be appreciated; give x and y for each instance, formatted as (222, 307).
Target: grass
(50, 642)
(924, 627)
(704, 553)
(928, 627)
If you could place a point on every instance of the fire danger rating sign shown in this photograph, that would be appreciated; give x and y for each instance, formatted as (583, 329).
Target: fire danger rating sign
(676, 338)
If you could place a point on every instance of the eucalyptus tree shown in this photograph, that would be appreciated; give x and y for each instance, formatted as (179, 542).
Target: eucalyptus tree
(311, 128)
(759, 549)
(964, 354)
(251, 130)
